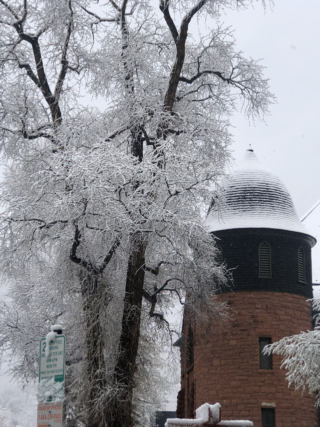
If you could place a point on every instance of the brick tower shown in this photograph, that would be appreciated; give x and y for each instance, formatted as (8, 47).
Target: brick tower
(269, 251)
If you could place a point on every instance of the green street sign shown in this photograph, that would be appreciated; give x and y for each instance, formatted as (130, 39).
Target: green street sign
(52, 366)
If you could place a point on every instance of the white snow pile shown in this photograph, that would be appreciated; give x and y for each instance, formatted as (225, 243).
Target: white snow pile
(51, 336)
(173, 422)
(253, 197)
(236, 423)
(211, 414)
(50, 391)
(207, 415)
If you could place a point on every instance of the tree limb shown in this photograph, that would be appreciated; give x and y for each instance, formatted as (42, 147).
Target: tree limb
(64, 61)
(110, 254)
(170, 95)
(123, 10)
(147, 296)
(164, 7)
(98, 17)
(116, 133)
(186, 20)
(24, 16)
(41, 80)
(162, 288)
(30, 73)
(201, 73)
(73, 252)
(9, 9)
(115, 5)
(176, 291)
(146, 137)
(155, 271)
(31, 136)
(45, 224)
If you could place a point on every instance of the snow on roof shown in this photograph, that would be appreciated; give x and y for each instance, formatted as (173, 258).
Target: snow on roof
(238, 423)
(253, 197)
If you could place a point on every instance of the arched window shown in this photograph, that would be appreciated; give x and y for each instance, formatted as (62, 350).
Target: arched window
(302, 266)
(265, 261)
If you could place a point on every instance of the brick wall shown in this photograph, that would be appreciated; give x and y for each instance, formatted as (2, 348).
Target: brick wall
(226, 359)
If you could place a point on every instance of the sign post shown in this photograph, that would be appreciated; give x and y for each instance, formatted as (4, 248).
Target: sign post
(51, 378)
(52, 366)
(50, 414)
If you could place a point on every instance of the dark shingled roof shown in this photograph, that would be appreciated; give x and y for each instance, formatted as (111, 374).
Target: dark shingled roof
(253, 197)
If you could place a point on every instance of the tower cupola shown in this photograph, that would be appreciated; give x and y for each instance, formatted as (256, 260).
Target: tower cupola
(253, 197)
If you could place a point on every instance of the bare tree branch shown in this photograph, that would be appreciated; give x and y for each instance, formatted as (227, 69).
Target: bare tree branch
(162, 288)
(186, 20)
(64, 61)
(123, 10)
(204, 72)
(110, 254)
(24, 16)
(116, 133)
(170, 95)
(9, 9)
(30, 73)
(41, 221)
(73, 252)
(41, 80)
(164, 7)
(155, 271)
(115, 5)
(98, 17)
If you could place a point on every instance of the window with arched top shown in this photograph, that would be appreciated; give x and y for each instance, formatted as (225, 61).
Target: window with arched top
(265, 271)
(302, 266)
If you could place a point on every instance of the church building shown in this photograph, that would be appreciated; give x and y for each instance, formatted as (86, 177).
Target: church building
(268, 250)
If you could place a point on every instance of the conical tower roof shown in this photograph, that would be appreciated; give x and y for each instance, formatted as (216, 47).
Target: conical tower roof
(253, 197)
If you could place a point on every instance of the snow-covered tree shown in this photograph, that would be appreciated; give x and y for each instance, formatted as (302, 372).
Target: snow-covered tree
(20, 407)
(301, 357)
(101, 221)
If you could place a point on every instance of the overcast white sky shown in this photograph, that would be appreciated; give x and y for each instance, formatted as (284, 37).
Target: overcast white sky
(286, 38)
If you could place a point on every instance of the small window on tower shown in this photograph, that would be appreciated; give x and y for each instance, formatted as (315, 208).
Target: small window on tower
(265, 261)
(268, 417)
(302, 266)
(265, 359)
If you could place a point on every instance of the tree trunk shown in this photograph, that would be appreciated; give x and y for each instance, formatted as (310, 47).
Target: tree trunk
(119, 412)
(93, 304)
